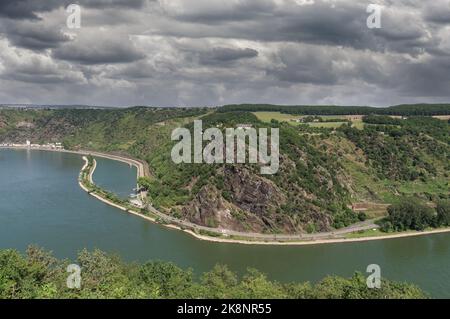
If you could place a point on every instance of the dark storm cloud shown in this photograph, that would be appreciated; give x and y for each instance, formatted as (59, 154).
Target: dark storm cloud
(202, 12)
(438, 11)
(102, 49)
(218, 55)
(26, 9)
(101, 4)
(318, 23)
(33, 35)
(430, 78)
(340, 24)
(322, 24)
(305, 66)
(210, 52)
(29, 9)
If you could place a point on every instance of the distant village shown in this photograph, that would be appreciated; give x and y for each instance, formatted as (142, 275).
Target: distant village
(28, 144)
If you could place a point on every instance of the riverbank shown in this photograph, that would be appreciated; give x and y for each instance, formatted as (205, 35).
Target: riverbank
(142, 167)
(279, 241)
(232, 237)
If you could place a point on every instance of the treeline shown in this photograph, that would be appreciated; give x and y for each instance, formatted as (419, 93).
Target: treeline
(381, 120)
(311, 118)
(405, 110)
(39, 275)
(410, 214)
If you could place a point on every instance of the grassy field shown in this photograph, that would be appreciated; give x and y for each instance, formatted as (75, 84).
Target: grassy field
(327, 124)
(359, 124)
(268, 116)
(442, 117)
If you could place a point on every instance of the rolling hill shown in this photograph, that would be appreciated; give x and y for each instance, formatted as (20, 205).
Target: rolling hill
(325, 173)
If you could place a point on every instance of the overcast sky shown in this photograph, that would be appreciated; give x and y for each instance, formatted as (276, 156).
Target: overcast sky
(214, 52)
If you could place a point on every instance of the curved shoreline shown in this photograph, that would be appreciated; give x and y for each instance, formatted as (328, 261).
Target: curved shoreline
(142, 168)
(266, 243)
(273, 243)
(142, 172)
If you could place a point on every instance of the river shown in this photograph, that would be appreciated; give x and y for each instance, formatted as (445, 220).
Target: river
(41, 203)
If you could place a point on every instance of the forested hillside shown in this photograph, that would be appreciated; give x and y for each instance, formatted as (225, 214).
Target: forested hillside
(100, 129)
(323, 171)
(39, 275)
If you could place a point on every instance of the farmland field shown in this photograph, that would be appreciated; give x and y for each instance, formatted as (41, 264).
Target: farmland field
(282, 117)
(326, 124)
(268, 116)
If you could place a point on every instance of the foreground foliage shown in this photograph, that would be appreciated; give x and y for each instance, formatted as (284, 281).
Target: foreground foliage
(40, 275)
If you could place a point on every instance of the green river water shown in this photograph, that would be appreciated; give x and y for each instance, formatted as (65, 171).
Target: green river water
(41, 203)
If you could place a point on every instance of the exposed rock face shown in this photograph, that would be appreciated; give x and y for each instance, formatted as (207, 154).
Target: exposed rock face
(251, 204)
(26, 125)
(251, 192)
(322, 221)
(207, 208)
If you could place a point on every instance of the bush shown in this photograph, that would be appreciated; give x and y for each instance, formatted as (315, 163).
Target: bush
(39, 275)
(443, 212)
(410, 214)
(362, 216)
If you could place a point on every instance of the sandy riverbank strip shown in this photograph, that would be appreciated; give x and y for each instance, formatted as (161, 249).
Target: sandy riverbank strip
(256, 242)
(141, 167)
(321, 241)
(103, 199)
(142, 170)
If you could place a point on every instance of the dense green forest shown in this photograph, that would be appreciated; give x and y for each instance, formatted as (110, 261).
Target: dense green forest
(410, 214)
(323, 171)
(39, 275)
(405, 110)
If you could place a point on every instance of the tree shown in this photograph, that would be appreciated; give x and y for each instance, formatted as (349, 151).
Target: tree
(39, 275)
(443, 212)
(219, 283)
(172, 282)
(145, 183)
(409, 214)
(255, 285)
